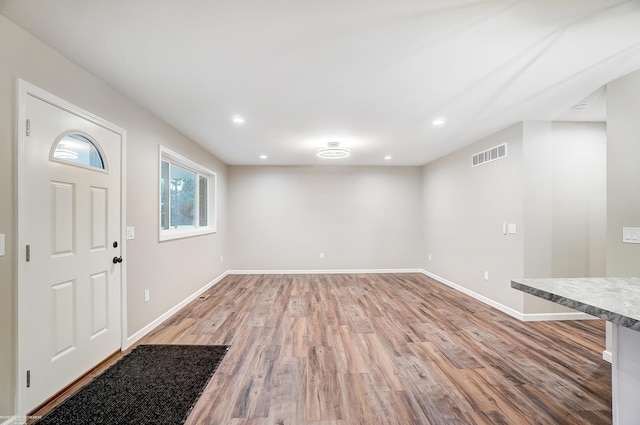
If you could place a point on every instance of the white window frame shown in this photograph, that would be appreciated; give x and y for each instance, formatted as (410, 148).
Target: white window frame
(167, 155)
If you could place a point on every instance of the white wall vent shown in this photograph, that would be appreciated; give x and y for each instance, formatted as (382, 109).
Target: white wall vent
(489, 155)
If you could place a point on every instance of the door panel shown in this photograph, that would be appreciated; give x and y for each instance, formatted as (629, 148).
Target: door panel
(70, 299)
(98, 218)
(63, 218)
(64, 309)
(99, 304)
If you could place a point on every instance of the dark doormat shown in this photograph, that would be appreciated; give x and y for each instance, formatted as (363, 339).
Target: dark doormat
(154, 384)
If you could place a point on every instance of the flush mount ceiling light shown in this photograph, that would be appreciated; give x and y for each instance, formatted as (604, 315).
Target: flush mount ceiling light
(438, 122)
(334, 151)
(263, 156)
(580, 107)
(237, 119)
(388, 157)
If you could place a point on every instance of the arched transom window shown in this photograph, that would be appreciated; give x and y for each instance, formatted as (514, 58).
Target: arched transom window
(78, 149)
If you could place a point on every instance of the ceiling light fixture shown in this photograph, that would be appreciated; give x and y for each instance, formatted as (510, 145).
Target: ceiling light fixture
(237, 119)
(438, 122)
(333, 151)
(388, 157)
(263, 156)
(580, 107)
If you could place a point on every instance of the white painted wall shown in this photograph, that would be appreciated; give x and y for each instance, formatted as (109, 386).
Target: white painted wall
(464, 208)
(552, 186)
(150, 264)
(623, 177)
(564, 203)
(623, 173)
(360, 217)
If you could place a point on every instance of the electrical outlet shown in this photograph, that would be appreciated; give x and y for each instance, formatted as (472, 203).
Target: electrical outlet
(322, 255)
(486, 275)
(147, 295)
(131, 232)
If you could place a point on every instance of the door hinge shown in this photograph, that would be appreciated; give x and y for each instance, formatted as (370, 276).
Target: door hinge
(28, 127)
(28, 253)
(28, 378)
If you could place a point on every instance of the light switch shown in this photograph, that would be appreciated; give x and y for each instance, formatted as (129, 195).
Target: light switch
(131, 232)
(512, 228)
(631, 234)
(1, 244)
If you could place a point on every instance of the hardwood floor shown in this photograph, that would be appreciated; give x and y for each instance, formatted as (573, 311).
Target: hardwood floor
(386, 349)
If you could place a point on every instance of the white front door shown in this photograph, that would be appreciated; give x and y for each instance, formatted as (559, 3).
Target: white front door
(70, 294)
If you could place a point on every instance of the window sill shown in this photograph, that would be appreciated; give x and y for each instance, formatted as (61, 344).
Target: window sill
(168, 235)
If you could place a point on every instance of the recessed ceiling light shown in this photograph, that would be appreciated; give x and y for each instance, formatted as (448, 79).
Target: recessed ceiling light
(580, 107)
(388, 157)
(438, 122)
(333, 151)
(237, 119)
(263, 156)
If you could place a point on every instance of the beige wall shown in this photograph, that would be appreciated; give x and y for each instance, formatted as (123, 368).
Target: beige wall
(464, 208)
(623, 177)
(565, 199)
(360, 217)
(623, 173)
(150, 264)
(552, 185)
(565, 203)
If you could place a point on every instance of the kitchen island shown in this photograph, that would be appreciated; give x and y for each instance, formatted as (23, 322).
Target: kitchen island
(616, 300)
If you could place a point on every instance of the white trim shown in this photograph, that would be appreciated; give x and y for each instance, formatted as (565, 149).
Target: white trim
(326, 271)
(23, 90)
(184, 161)
(123, 237)
(607, 356)
(155, 323)
(534, 317)
(174, 158)
(557, 317)
(503, 308)
(615, 376)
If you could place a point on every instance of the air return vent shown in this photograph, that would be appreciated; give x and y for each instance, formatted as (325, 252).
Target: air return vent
(489, 155)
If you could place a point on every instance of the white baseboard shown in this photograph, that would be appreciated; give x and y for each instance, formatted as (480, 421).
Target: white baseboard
(542, 317)
(508, 310)
(326, 271)
(154, 324)
(503, 308)
(607, 356)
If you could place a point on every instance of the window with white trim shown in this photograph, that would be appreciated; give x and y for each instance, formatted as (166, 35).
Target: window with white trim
(187, 197)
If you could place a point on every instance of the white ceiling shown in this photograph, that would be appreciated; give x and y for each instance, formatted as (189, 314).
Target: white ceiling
(370, 73)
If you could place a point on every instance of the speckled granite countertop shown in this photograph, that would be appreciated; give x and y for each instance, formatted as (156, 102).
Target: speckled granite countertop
(614, 299)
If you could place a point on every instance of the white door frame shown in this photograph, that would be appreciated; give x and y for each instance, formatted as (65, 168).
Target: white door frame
(25, 89)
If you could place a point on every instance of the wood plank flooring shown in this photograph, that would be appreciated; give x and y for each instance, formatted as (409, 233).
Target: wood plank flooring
(385, 349)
